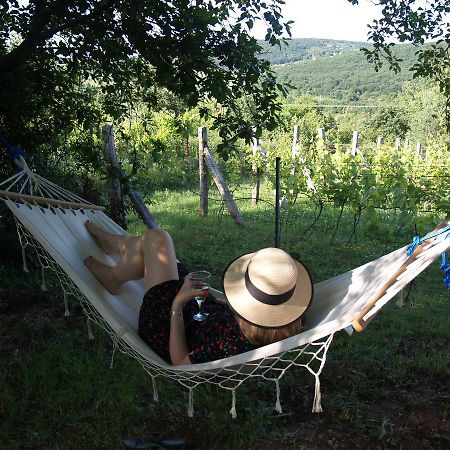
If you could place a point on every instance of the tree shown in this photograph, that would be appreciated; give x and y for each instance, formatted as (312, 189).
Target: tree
(199, 50)
(424, 111)
(416, 22)
(390, 122)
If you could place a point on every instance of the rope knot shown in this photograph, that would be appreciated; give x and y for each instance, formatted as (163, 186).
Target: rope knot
(415, 242)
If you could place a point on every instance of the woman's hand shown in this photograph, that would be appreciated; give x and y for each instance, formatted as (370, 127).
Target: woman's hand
(187, 293)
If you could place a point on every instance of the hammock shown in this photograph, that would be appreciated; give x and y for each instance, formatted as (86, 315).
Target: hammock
(51, 220)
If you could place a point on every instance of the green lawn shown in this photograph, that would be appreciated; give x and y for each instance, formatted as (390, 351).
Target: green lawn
(387, 387)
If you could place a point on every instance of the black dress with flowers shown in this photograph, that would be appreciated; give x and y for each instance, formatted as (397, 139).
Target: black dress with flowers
(217, 337)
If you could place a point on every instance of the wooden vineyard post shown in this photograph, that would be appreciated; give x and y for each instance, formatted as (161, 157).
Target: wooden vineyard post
(298, 157)
(208, 165)
(398, 142)
(419, 150)
(277, 203)
(380, 142)
(139, 204)
(406, 145)
(256, 171)
(115, 192)
(203, 171)
(355, 143)
(321, 134)
(295, 152)
(295, 144)
(118, 177)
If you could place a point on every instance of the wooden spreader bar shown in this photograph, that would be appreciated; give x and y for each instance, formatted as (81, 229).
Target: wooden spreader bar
(48, 201)
(359, 323)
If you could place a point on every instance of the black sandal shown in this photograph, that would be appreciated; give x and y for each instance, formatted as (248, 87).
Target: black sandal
(155, 442)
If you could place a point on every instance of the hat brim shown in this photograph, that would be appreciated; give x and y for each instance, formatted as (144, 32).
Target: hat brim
(261, 314)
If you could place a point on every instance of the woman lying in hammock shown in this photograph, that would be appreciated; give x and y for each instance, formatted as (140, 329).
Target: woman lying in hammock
(267, 292)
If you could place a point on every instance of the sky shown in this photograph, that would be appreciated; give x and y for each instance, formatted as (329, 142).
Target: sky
(329, 19)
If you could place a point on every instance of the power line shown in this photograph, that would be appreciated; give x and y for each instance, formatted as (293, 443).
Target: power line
(346, 106)
(359, 106)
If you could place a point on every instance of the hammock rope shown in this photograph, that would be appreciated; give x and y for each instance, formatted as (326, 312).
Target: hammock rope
(58, 236)
(446, 268)
(417, 240)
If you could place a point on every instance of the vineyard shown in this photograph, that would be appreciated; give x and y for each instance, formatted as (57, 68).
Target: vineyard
(374, 183)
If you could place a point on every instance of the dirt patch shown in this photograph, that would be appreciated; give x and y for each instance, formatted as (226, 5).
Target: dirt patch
(28, 317)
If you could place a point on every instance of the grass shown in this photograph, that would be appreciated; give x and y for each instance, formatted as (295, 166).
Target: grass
(387, 387)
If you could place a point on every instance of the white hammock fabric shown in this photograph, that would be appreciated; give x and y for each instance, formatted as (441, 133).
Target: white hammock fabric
(59, 236)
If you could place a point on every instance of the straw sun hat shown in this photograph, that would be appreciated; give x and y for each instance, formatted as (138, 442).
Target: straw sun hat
(268, 288)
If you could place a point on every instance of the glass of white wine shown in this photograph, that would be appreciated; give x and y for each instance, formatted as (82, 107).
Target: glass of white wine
(200, 280)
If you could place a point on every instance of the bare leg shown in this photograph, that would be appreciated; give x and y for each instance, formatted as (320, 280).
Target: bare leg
(108, 242)
(151, 256)
(159, 257)
(105, 274)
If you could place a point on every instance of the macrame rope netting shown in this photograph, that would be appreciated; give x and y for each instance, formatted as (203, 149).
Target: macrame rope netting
(61, 241)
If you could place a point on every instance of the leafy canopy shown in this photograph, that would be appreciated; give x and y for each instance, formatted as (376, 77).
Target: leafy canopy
(417, 22)
(201, 50)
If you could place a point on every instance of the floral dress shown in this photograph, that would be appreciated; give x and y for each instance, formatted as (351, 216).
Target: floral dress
(217, 337)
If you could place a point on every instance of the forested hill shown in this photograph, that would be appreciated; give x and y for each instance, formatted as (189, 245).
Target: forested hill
(338, 70)
(304, 49)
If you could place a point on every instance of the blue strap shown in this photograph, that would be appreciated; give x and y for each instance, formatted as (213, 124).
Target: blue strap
(445, 266)
(13, 151)
(418, 240)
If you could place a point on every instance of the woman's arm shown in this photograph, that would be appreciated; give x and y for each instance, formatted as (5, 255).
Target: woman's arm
(179, 351)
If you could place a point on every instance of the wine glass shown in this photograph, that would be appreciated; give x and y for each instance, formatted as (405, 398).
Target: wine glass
(200, 280)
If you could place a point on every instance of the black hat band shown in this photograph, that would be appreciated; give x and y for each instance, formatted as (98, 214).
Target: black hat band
(265, 298)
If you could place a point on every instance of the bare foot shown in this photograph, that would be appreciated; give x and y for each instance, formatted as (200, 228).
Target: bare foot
(99, 236)
(103, 273)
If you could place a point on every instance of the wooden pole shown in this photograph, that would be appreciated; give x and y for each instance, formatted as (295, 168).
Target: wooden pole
(406, 144)
(140, 206)
(321, 134)
(256, 172)
(380, 142)
(203, 171)
(296, 142)
(295, 147)
(115, 193)
(48, 201)
(419, 150)
(398, 142)
(359, 323)
(355, 143)
(222, 186)
(298, 157)
(277, 203)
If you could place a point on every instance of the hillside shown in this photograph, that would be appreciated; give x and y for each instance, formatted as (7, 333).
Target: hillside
(305, 49)
(338, 70)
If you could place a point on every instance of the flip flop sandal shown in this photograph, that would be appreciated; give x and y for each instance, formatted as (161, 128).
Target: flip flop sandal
(155, 442)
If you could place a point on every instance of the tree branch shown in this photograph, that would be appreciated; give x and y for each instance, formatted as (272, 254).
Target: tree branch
(38, 34)
(17, 57)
